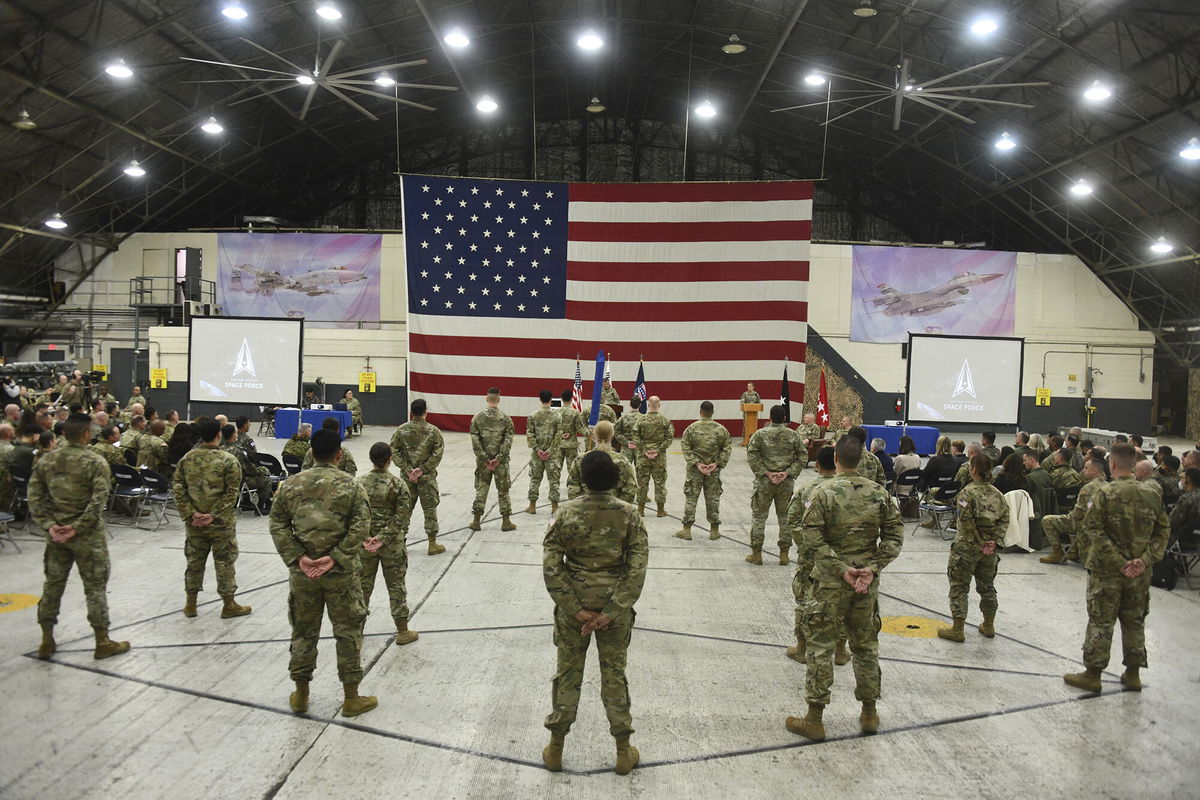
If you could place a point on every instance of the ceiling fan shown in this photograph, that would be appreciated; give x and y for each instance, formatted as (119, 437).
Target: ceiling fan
(321, 76)
(930, 93)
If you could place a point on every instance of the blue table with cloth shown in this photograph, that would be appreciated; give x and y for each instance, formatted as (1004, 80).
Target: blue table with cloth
(287, 421)
(923, 437)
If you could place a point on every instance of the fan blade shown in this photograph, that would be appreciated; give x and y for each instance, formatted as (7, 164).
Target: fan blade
(235, 66)
(959, 99)
(943, 109)
(325, 66)
(900, 95)
(263, 93)
(355, 72)
(857, 79)
(987, 86)
(956, 73)
(308, 98)
(883, 95)
(299, 69)
(289, 79)
(346, 99)
(340, 82)
(382, 96)
(863, 107)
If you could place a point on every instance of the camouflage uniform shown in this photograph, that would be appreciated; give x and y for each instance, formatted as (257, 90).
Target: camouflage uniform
(751, 397)
(627, 485)
(837, 433)
(255, 476)
(809, 431)
(1061, 528)
(992, 452)
(387, 496)
(110, 453)
(207, 480)
(1063, 477)
(609, 396)
(346, 465)
(297, 446)
(848, 522)
(70, 486)
(594, 558)
(982, 517)
(870, 467)
(541, 433)
(152, 454)
(7, 489)
(653, 431)
(323, 512)
(415, 444)
(802, 580)
(623, 434)
(492, 437)
(1186, 510)
(572, 427)
(1125, 520)
(775, 448)
(129, 440)
(705, 441)
(246, 444)
(354, 406)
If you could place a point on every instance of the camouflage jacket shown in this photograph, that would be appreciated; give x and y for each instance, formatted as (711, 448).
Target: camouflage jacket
(152, 453)
(110, 453)
(1063, 477)
(541, 429)
(573, 426)
(626, 488)
(1185, 516)
(982, 515)
(605, 412)
(850, 522)
(321, 512)
(346, 465)
(354, 406)
(706, 441)
(1080, 508)
(246, 444)
(796, 511)
(869, 467)
(207, 480)
(609, 395)
(594, 555)
(249, 468)
(751, 397)
(387, 496)
(297, 446)
(776, 448)
(653, 431)
(809, 431)
(1125, 520)
(129, 439)
(623, 429)
(69, 486)
(491, 434)
(992, 452)
(415, 444)
(836, 434)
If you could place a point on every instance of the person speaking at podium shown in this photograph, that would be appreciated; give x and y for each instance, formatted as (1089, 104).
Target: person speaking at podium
(750, 396)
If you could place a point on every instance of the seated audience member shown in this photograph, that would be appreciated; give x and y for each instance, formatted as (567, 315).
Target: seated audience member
(1062, 474)
(1144, 471)
(1085, 448)
(879, 448)
(908, 458)
(183, 439)
(1005, 452)
(1162, 451)
(1055, 443)
(1037, 445)
(940, 465)
(1185, 516)
(958, 449)
(1167, 476)
(1012, 474)
(1190, 460)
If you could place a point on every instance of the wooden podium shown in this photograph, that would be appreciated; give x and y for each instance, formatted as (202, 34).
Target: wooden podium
(749, 421)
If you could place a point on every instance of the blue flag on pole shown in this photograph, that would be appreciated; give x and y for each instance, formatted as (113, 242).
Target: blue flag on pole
(596, 389)
(639, 386)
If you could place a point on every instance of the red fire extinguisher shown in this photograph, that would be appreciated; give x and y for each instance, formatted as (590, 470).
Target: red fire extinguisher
(899, 404)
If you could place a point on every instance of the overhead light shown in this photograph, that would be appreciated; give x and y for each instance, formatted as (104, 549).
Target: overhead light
(1081, 188)
(733, 46)
(56, 222)
(385, 80)
(1162, 246)
(24, 122)
(590, 40)
(235, 10)
(1005, 142)
(135, 170)
(119, 69)
(456, 38)
(1097, 92)
(865, 10)
(486, 104)
(595, 106)
(814, 79)
(328, 11)
(1191, 152)
(908, 87)
(706, 110)
(305, 80)
(211, 125)
(984, 26)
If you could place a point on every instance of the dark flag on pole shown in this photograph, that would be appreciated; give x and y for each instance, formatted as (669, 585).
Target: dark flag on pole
(785, 397)
(639, 386)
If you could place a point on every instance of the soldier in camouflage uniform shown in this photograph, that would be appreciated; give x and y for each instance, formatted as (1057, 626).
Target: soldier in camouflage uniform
(417, 449)
(843, 429)
(319, 522)
(345, 463)
(491, 439)
(870, 465)
(776, 455)
(152, 450)
(605, 414)
(626, 488)
(129, 439)
(573, 426)
(171, 423)
(1127, 528)
(255, 476)
(989, 446)
(244, 439)
(706, 450)
(206, 485)
(300, 442)
(387, 496)
(1062, 474)
(623, 431)
(809, 430)
(106, 445)
(963, 476)
(854, 531)
(1058, 527)
(541, 434)
(594, 563)
(750, 395)
(68, 491)
(354, 406)
(982, 523)
(608, 394)
(653, 434)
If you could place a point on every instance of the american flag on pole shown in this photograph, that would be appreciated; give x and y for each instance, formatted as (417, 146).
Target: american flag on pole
(509, 280)
(577, 390)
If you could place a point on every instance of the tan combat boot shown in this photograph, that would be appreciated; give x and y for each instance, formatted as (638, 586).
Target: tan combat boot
(685, 532)
(955, 632)
(532, 507)
(434, 547)
(796, 652)
(811, 726)
(841, 655)
(353, 704)
(232, 609)
(868, 720)
(1056, 556)
(1131, 680)
(404, 635)
(48, 645)
(189, 606)
(106, 647)
(662, 510)
(988, 626)
(714, 532)
(641, 509)
(755, 556)
(298, 700)
(552, 753)
(1088, 680)
(627, 757)
(506, 524)
(474, 524)
(783, 556)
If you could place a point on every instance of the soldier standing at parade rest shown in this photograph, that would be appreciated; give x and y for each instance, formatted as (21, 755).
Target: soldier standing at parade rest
(750, 395)
(1127, 531)
(706, 450)
(776, 456)
(623, 431)
(854, 531)
(541, 434)
(206, 484)
(594, 563)
(417, 449)
(653, 434)
(491, 439)
(319, 522)
(982, 523)
(68, 491)
(387, 496)
(573, 426)
(626, 488)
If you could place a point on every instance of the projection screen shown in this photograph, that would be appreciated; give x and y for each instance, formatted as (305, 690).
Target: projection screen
(966, 379)
(245, 360)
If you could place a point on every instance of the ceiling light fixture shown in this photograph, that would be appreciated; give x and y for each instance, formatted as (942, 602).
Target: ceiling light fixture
(1191, 152)
(486, 104)
(56, 221)
(984, 26)
(135, 170)
(865, 10)
(119, 69)
(329, 11)
(1162, 246)
(1081, 188)
(706, 110)
(590, 40)
(733, 46)
(235, 10)
(24, 122)
(1005, 142)
(456, 38)
(1097, 92)
(305, 80)
(211, 125)
(595, 106)
(385, 80)
(814, 79)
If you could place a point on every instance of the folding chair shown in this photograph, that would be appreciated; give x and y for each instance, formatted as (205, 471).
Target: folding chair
(128, 487)
(20, 503)
(292, 463)
(1187, 555)
(272, 465)
(5, 533)
(939, 502)
(1066, 499)
(904, 490)
(158, 494)
(131, 458)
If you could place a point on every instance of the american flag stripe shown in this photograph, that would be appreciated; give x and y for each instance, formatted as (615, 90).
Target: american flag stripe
(727, 271)
(688, 232)
(538, 349)
(756, 211)
(661, 253)
(639, 291)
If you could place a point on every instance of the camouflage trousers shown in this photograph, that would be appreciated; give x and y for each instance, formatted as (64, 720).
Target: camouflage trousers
(1060, 529)
(802, 587)
(197, 544)
(1111, 598)
(538, 468)
(611, 646)
(655, 468)
(261, 484)
(426, 490)
(966, 562)
(393, 558)
(564, 459)
(830, 607)
(339, 594)
(90, 553)
(765, 495)
(693, 483)
(483, 481)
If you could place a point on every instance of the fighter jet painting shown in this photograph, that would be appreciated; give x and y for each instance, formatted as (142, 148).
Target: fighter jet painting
(917, 304)
(313, 283)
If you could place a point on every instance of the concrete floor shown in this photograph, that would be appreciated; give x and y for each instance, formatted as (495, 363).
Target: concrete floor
(198, 708)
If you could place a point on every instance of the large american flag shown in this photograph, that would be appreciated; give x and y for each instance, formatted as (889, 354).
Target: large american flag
(509, 280)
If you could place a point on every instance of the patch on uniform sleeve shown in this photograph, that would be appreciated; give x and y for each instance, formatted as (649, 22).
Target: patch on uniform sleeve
(1089, 505)
(808, 503)
(962, 503)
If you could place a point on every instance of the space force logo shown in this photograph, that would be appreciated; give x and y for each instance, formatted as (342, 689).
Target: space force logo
(964, 386)
(243, 365)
